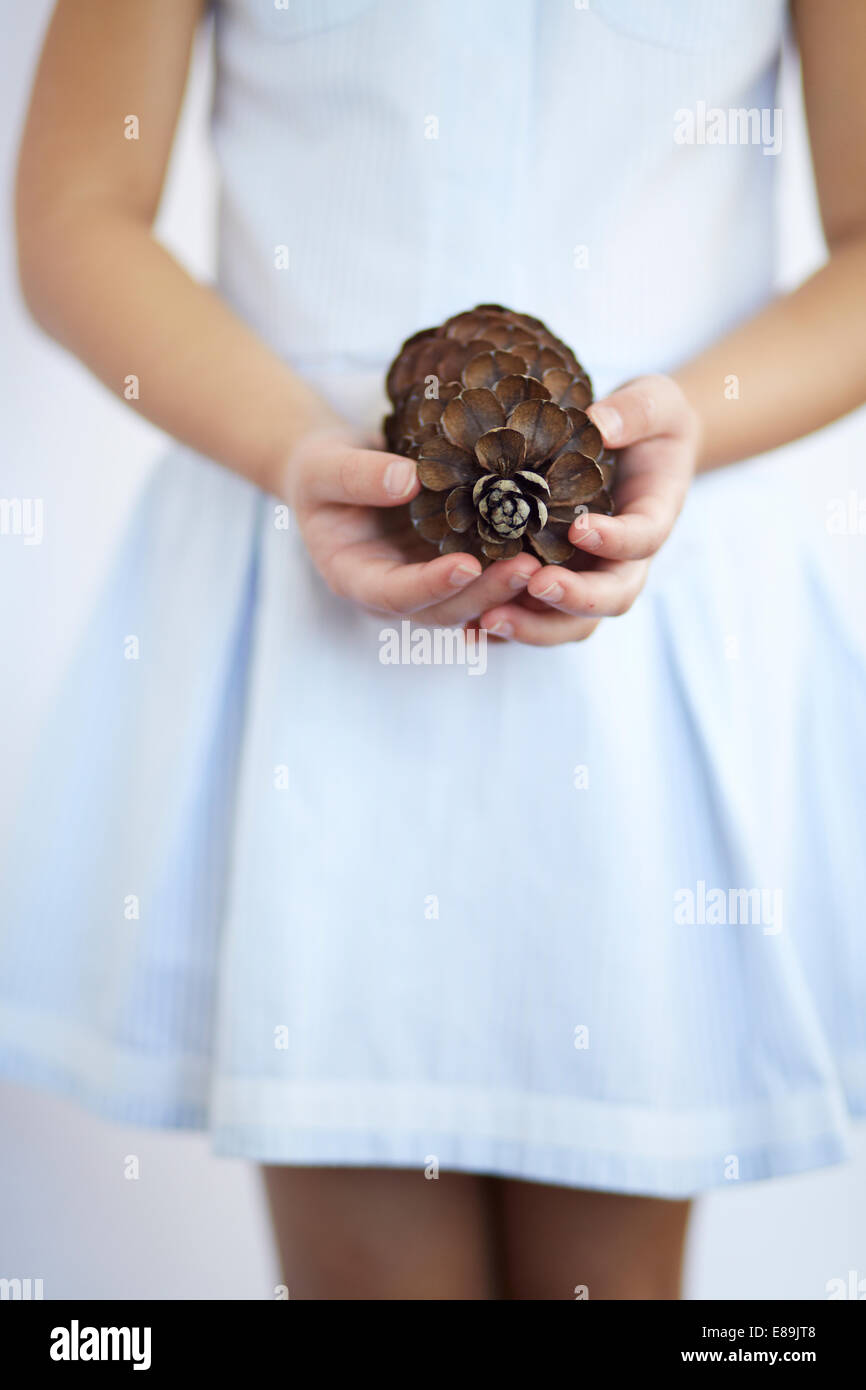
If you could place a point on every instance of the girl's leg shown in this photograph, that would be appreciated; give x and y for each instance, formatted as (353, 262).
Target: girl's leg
(382, 1233)
(559, 1241)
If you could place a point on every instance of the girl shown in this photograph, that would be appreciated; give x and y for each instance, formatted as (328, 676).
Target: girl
(437, 951)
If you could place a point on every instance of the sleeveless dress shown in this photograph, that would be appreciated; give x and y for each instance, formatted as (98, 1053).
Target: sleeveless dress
(591, 918)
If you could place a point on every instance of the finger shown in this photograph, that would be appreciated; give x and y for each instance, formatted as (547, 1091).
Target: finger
(648, 408)
(536, 629)
(650, 498)
(499, 583)
(372, 576)
(339, 472)
(603, 593)
(475, 627)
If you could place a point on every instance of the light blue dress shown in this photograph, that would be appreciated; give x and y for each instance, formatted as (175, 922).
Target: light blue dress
(593, 918)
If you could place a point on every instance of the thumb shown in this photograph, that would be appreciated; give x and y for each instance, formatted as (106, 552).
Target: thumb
(648, 408)
(339, 472)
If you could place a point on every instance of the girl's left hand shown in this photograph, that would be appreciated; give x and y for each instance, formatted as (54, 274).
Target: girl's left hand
(657, 430)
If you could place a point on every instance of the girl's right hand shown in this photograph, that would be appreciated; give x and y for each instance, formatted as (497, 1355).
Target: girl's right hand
(351, 506)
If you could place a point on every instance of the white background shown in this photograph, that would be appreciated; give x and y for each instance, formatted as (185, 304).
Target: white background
(192, 1226)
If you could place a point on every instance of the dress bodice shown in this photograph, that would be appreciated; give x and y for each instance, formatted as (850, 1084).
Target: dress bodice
(385, 163)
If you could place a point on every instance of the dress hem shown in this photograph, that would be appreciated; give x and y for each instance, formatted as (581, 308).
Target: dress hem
(562, 1141)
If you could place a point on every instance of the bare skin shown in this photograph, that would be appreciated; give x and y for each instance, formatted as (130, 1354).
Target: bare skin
(566, 1243)
(95, 278)
(383, 1234)
(392, 1234)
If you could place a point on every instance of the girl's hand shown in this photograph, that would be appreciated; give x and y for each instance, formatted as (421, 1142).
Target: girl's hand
(657, 430)
(373, 556)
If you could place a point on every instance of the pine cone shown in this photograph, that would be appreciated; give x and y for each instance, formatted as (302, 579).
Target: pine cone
(491, 405)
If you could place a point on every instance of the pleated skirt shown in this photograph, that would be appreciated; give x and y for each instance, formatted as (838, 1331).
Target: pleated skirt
(590, 915)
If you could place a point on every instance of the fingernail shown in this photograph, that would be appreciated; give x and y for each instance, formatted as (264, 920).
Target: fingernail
(399, 477)
(591, 541)
(609, 421)
(553, 593)
(462, 575)
(502, 629)
(519, 581)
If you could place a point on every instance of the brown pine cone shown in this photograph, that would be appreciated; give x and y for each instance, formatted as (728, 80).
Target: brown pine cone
(491, 405)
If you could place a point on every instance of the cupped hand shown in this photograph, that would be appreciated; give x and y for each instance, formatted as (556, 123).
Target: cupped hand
(657, 430)
(350, 507)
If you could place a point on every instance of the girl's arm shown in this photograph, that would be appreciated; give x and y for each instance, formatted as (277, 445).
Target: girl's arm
(96, 279)
(91, 271)
(802, 362)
